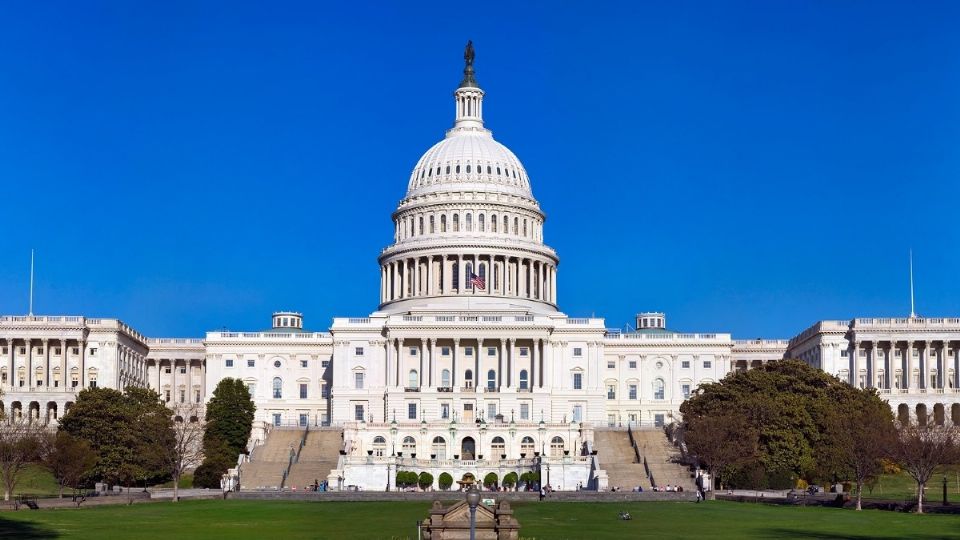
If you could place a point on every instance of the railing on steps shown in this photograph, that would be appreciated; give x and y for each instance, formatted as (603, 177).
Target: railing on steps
(633, 443)
(294, 457)
(646, 467)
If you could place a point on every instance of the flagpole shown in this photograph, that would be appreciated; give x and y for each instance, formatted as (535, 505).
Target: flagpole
(31, 284)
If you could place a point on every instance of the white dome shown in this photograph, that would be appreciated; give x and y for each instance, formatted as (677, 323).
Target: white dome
(469, 160)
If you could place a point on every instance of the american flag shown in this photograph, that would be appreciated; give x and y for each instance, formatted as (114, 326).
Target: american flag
(477, 281)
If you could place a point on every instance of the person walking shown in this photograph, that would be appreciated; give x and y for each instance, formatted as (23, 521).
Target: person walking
(700, 493)
(543, 493)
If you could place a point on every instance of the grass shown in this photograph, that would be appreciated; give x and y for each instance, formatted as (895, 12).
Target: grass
(901, 487)
(35, 480)
(239, 519)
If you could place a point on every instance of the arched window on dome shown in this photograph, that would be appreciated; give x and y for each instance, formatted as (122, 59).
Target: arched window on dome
(420, 225)
(458, 169)
(498, 170)
(496, 278)
(438, 170)
(429, 172)
(468, 168)
(480, 224)
(514, 174)
(493, 223)
(431, 224)
(488, 169)
(448, 169)
(524, 228)
(466, 276)
(516, 225)
(443, 223)
(456, 276)
(482, 271)
(506, 224)
(456, 223)
(469, 221)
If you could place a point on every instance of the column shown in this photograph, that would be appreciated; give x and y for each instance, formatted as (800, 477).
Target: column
(855, 369)
(10, 363)
(173, 380)
(459, 273)
(453, 364)
(159, 370)
(29, 382)
(533, 363)
(65, 347)
(925, 370)
(416, 277)
(399, 360)
(872, 366)
(511, 362)
(547, 372)
(46, 362)
(430, 276)
(432, 343)
(476, 364)
(888, 367)
(189, 393)
(421, 372)
(489, 277)
(396, 279)
(908, 360)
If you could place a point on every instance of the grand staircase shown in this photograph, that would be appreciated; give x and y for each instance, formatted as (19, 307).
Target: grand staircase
(618, 459)
(318, 457)
(269, 460)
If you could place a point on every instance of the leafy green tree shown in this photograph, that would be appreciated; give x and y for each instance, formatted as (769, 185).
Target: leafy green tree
(490, 480)
(445, 480)
(510, 480)
(425, 480)
(229, 420)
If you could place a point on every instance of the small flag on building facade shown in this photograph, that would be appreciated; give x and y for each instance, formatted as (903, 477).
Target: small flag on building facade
(477, 281)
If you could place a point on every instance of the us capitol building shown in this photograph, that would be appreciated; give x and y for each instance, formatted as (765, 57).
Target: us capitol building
(468, 354)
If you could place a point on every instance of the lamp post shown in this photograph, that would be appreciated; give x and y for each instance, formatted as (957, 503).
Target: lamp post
(473, 499)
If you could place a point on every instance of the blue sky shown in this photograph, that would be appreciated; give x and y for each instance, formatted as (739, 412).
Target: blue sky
(746, 167)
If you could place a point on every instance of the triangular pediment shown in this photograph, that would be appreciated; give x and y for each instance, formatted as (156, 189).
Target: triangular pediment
(461, 512)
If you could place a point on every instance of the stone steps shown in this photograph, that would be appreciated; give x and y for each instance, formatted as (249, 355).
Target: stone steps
(318, 457)
(269, 460)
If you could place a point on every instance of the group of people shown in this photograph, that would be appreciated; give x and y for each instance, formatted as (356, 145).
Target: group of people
(318, 486)
(668, 488)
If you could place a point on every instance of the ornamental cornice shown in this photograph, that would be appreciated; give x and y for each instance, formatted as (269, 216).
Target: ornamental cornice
(458, 246)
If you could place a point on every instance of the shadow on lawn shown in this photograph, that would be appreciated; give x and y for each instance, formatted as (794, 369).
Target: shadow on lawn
(796, 533)
(10, 528)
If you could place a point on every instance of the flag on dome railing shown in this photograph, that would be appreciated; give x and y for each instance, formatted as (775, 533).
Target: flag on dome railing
(477, 281)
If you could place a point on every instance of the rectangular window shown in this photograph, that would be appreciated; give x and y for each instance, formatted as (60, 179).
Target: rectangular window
(468, 351)
(578, 351)
(524, 351)
(228, 362)
(413, 351)
(303, 420)
(524, 411)
(685, 388)
(843, 353)
(611, 364)
(358, 351)
(358, 413)
(93, 351)
(707, 364)
(445, 411)
(324, 391)
(491, 411)
(252, 388)
(93, 384)
(685, 364)
(633, 364)
(183, 370)
(358, 381)
(40, 350)
(76, 350)
(633, 391)
(611, 391)
(56, 351)
(183, 396)
(251, 362)
(445, 351)
(324, 363)
(578, 381)
(491, 351)
(303, 390)
(304, 363)
(411, 411)
(277, 419)
(578, 413)
(23, 350)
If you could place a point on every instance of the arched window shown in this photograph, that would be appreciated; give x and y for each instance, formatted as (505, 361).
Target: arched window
(456, 276)
(277, 388)
(431, 224)
(524, 227)
(448, 169)
(498, 448)
(413, 380)
(468, 168)
(445, 378)
(496, 278)
(483, 272)
(556, 447)
(468, 378)
(420, 231)
(409, 445)
(469, 221)
(527, 446)
(379, 445)
(658, 389)
(492, 379)
(480, 223)
(506, 224)
(493, 223)
(458, 169)
(456, 223)
(498, 171)
(429, 172)
(488, 169)
(468, 283)
(439, 448)
(523, 379)
(443, 223)
(516, 225)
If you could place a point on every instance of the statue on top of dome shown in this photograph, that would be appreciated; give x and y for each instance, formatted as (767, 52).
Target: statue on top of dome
(468, 80)
(468, 53)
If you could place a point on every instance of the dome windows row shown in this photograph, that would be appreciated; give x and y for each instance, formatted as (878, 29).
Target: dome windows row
(503, 174)
(412, 226)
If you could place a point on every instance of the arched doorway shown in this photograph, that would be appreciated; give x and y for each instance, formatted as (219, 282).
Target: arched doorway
(468, 449)
(938, 414)
(921, 414)
(903, 414)
(955, 414)
(498, 448)
(556, 447)
(438, 448)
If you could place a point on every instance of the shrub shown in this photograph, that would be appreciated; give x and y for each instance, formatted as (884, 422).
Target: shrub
(490, 480)
(425, 480)
(510, 480)
(445, 481)
(406, 478)
(802, 484)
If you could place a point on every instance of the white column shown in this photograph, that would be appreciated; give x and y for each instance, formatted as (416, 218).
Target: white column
(925, 372)
(29, 382)
(11, 375)
(400, 363)
(422, 374)
(533, 363)
(908, 354)
(46, 363)
(65, 347)
(430, 287)
(453, 364)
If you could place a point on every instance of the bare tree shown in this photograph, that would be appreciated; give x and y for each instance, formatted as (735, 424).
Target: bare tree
(921, 449)
(186, 449)
(721, 442)
(19, 446)
(67, 458)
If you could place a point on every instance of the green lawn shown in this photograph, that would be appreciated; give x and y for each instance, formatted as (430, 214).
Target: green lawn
(35, 480)
(902, 487)
(236, 519)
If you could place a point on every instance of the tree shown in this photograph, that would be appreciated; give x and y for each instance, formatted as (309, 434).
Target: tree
(186, 448)
(19, 446)
(229, 420)
(510, 480)
(68, 458)
(863, 435)
(425, 480)
(722, 442)
(921, 449)
(490, 480)
(445, 481)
